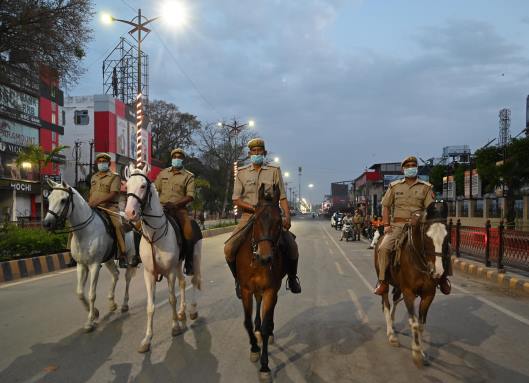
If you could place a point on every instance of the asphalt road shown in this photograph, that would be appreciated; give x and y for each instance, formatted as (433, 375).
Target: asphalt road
(333, 332)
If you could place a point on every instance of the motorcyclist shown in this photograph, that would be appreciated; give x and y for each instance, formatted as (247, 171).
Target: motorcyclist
(347, 224)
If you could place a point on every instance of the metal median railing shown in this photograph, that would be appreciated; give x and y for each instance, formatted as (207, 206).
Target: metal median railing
(504, 247)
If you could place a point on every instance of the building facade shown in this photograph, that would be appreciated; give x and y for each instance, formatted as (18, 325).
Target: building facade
(30, 111)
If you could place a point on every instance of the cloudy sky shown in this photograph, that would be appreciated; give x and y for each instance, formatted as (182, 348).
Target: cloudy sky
(337, 85)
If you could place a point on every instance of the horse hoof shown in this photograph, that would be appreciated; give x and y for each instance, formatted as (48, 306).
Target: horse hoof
(181, 317)
(96, 313)
(265, 377)
(394, 341)
(177, 331)
(259, 337)
(254, 357)
(113, 307)
(417, 359)
(89, 327)
(144, 347)
(193, 316)
(124, 308)
(271, 339)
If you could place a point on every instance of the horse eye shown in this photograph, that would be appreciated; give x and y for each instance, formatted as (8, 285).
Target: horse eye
(142, 187)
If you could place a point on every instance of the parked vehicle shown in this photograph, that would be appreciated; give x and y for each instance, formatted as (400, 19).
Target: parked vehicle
(335, 217)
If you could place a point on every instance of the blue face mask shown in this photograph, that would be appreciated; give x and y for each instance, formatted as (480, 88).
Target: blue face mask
(102, 166)
(177, 162)
(257, 159)
(410, 172)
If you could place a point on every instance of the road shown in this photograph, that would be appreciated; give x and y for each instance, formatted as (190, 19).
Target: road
(333, 332)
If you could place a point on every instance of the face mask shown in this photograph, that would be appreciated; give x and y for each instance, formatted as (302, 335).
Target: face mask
(257, 159)
(102, 166)
(410, 172)
(177, 162)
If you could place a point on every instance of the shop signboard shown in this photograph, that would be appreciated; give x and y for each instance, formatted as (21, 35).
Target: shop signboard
(18, 134)
(20, 186)
(19, 105)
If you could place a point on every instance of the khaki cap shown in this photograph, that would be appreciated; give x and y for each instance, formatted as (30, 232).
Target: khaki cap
(106, 156)
(255, 142)
(178, 150)
(408, 159)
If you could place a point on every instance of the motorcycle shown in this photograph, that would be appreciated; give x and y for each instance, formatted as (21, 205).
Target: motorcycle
(339, 223)
(348, 232)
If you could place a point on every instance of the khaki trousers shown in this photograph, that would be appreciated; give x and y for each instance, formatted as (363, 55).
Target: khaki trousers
(386, 248)
(233, 240)
(118, 227)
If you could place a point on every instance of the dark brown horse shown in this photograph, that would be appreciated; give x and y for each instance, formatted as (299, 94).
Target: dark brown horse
(260, 270)
(415, 274)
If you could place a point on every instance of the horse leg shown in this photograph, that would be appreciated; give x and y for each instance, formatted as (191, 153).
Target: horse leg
(426, 301)
(247, 302)
(416, 351)
(196, 280)
(171, 280)
(182, 286)
(257, 321)
(270, 300)
(129, 273)
(111, 266)
(93, 313)
(82, 274)
(390, 330)
(150, 284)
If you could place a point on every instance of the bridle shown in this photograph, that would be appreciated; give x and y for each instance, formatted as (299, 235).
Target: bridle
(255, 241)
(61, 217)
(146, 202)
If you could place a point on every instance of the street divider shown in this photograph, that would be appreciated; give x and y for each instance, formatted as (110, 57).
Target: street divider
(28, 267)
(511, 281)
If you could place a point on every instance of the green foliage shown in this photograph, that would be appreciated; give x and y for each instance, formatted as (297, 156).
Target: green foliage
(488, 171)
(18, 242)
(36, 155)
(222, 224)
(436, 177)
(459, 178)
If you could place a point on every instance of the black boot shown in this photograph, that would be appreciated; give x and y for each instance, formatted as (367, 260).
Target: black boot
(123, 262)
(293, 280)
(233, 268)
(135, 261)
(188, 254)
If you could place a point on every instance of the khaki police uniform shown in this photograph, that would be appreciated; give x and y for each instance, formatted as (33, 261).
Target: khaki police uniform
(101, 185)
(402, 200)
(358, 220)
(173, 185)
(246, 188)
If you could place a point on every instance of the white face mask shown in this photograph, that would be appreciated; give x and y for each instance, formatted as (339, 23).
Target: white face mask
(102, 166)
(410, 172)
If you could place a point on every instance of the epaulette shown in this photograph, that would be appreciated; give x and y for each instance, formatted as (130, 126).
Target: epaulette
(244, 167)
(396, 182)
(188, 172)
(424, 182)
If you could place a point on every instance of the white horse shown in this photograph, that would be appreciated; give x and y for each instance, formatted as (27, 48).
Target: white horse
(160, 253)
(89, 245)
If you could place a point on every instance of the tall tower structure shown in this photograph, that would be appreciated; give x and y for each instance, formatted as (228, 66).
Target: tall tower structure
(505, 125)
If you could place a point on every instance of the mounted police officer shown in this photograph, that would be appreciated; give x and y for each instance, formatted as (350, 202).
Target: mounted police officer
(176, 187)
(403, 197)
(245, 196)
(105, 187)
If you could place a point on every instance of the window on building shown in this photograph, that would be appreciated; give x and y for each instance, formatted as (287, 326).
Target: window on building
(464, 209)
(479, 208)
(518, 208)
(63, 118)
(53, 118)
(81, 117)
(494, 208)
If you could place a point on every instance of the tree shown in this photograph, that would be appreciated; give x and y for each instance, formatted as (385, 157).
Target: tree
(36, 155)
(220, 148)
(50, 32)
(198, 202)
(505, 166)
(436, 177)
(170, 128)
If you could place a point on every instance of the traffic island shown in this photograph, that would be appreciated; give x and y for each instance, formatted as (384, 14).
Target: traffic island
(28, 267)
(506, 279)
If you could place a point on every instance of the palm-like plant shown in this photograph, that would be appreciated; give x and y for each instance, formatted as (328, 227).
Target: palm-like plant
(36, 155)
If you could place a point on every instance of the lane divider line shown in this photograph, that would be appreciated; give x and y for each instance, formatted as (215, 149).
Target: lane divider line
(361, 314)
(339, 268)
(360, 275)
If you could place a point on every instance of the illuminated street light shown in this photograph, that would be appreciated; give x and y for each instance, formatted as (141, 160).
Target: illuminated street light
(251, 123)
(106, 18)
(286, 174)
(276, 160)
(311, 186)
(26, 165)
(174, 14)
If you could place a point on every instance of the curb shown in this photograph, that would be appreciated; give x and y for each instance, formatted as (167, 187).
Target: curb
(28, 267)
(510, 281)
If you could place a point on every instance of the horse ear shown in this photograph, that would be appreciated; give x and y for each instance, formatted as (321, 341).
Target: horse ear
(51, 183)
(64, 184)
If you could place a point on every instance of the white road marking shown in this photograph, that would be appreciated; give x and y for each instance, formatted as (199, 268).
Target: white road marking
(496, 306)
(33, 279)
(362, 278)
(339, 268)
(361, 314)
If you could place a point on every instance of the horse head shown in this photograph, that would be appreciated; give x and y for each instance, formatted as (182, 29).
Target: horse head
(60, 205)
(138, 193)
(267, 225)
(435, 228)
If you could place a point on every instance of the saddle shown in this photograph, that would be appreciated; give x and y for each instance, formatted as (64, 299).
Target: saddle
(105, 217)
(186, 252)
(400, 243)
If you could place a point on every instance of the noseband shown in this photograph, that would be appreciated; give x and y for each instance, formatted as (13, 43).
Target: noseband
(255, 241)
(61, 217)
(146, 200)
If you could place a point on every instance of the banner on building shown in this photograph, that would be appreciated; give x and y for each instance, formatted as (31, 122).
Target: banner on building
(18, 105)
(472, 184)
(18, 134)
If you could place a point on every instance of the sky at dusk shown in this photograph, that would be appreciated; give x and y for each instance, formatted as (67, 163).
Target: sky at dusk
(335, 86)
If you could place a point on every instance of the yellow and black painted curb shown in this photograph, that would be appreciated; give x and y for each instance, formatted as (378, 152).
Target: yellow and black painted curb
(29, 267)
(510, 281)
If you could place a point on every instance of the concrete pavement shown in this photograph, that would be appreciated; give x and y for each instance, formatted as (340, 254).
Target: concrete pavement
(333, 332)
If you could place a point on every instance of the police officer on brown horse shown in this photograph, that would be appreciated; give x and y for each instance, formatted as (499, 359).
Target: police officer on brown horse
(176, 188)
(245, 196)
(403, 197)
(105, 186)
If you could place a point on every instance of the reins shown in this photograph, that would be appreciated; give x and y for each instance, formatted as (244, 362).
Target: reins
(61, 218)
(254, 243)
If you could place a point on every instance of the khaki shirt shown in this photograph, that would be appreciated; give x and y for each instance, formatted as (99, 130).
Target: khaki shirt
(249, 180)
(358, 218)
(174, 184)
(104, 183)
(404, 199)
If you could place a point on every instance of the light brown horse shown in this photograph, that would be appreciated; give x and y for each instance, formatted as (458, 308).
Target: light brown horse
(415, 275)
(260, 270)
